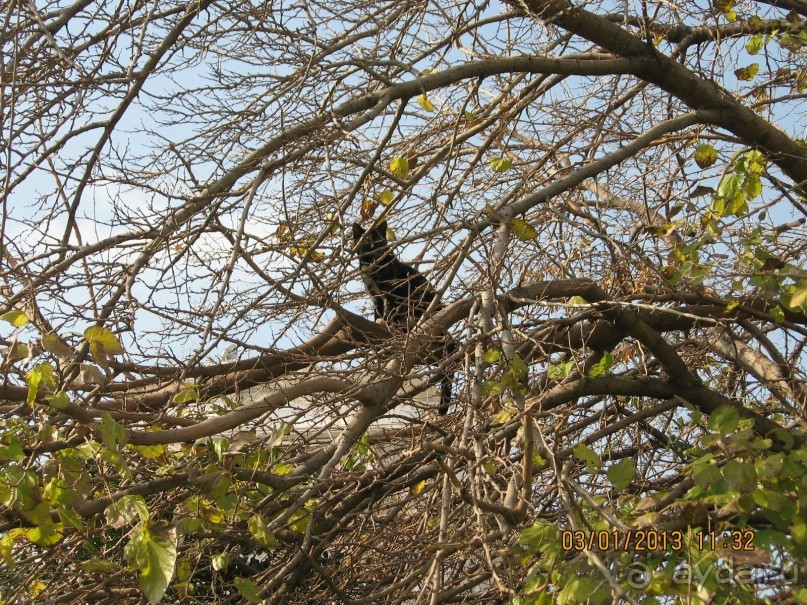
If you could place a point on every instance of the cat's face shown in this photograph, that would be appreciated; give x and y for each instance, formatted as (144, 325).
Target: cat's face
(373, 241)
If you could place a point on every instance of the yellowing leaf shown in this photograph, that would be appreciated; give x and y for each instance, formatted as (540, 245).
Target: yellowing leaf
(90, 374)
(283, 233)
(755, 162)
(17, 350)
(799, 296)
(501, 164)
(368, 208)
(386, 197)
(53, 344)
(523, 230)
(15, 318)
(747, 73)
(705, 155)
(724, 5)
(425, 103)
(46, 534)
(282, 468)
(125, 510)
(417, 488)
(102, 343)
(36, 587)
(400, 167)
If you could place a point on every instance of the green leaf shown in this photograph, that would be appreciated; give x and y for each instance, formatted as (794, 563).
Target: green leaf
(578, 589)
(299, 521)
(706, 475)
(248, 589)
(523, 230)
(771, 500)
(41, 375)
(501, 164)
(778, 314)
(723, 420)
(740, 475)
(603, 366)
(11, 448)
(59, 401)
(400, 167)
(425, 103)
(519, 369)
(754, 45)
(159, 553)
(492, 355)
(561, 370)
(15, 318)
(755, 162)
(186, 396)
(705, 155)
(587, 455)
(493, 387)
(97, 565)
(752, 187)
(113, 433)
(220, 561)
(730, 189)
(260, 531)
(621, 474)
(17, 351)
(539, 534)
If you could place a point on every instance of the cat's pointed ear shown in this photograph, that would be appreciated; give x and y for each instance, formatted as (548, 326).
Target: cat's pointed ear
(382, 229)
(357, 231)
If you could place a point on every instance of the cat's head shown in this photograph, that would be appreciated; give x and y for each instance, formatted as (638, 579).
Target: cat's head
(370, 242)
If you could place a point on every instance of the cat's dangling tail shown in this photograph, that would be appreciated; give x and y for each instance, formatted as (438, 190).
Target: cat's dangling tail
(446, 379)
(445, 394)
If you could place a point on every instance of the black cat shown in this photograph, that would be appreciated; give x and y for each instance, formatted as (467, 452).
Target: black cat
(400, 293)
